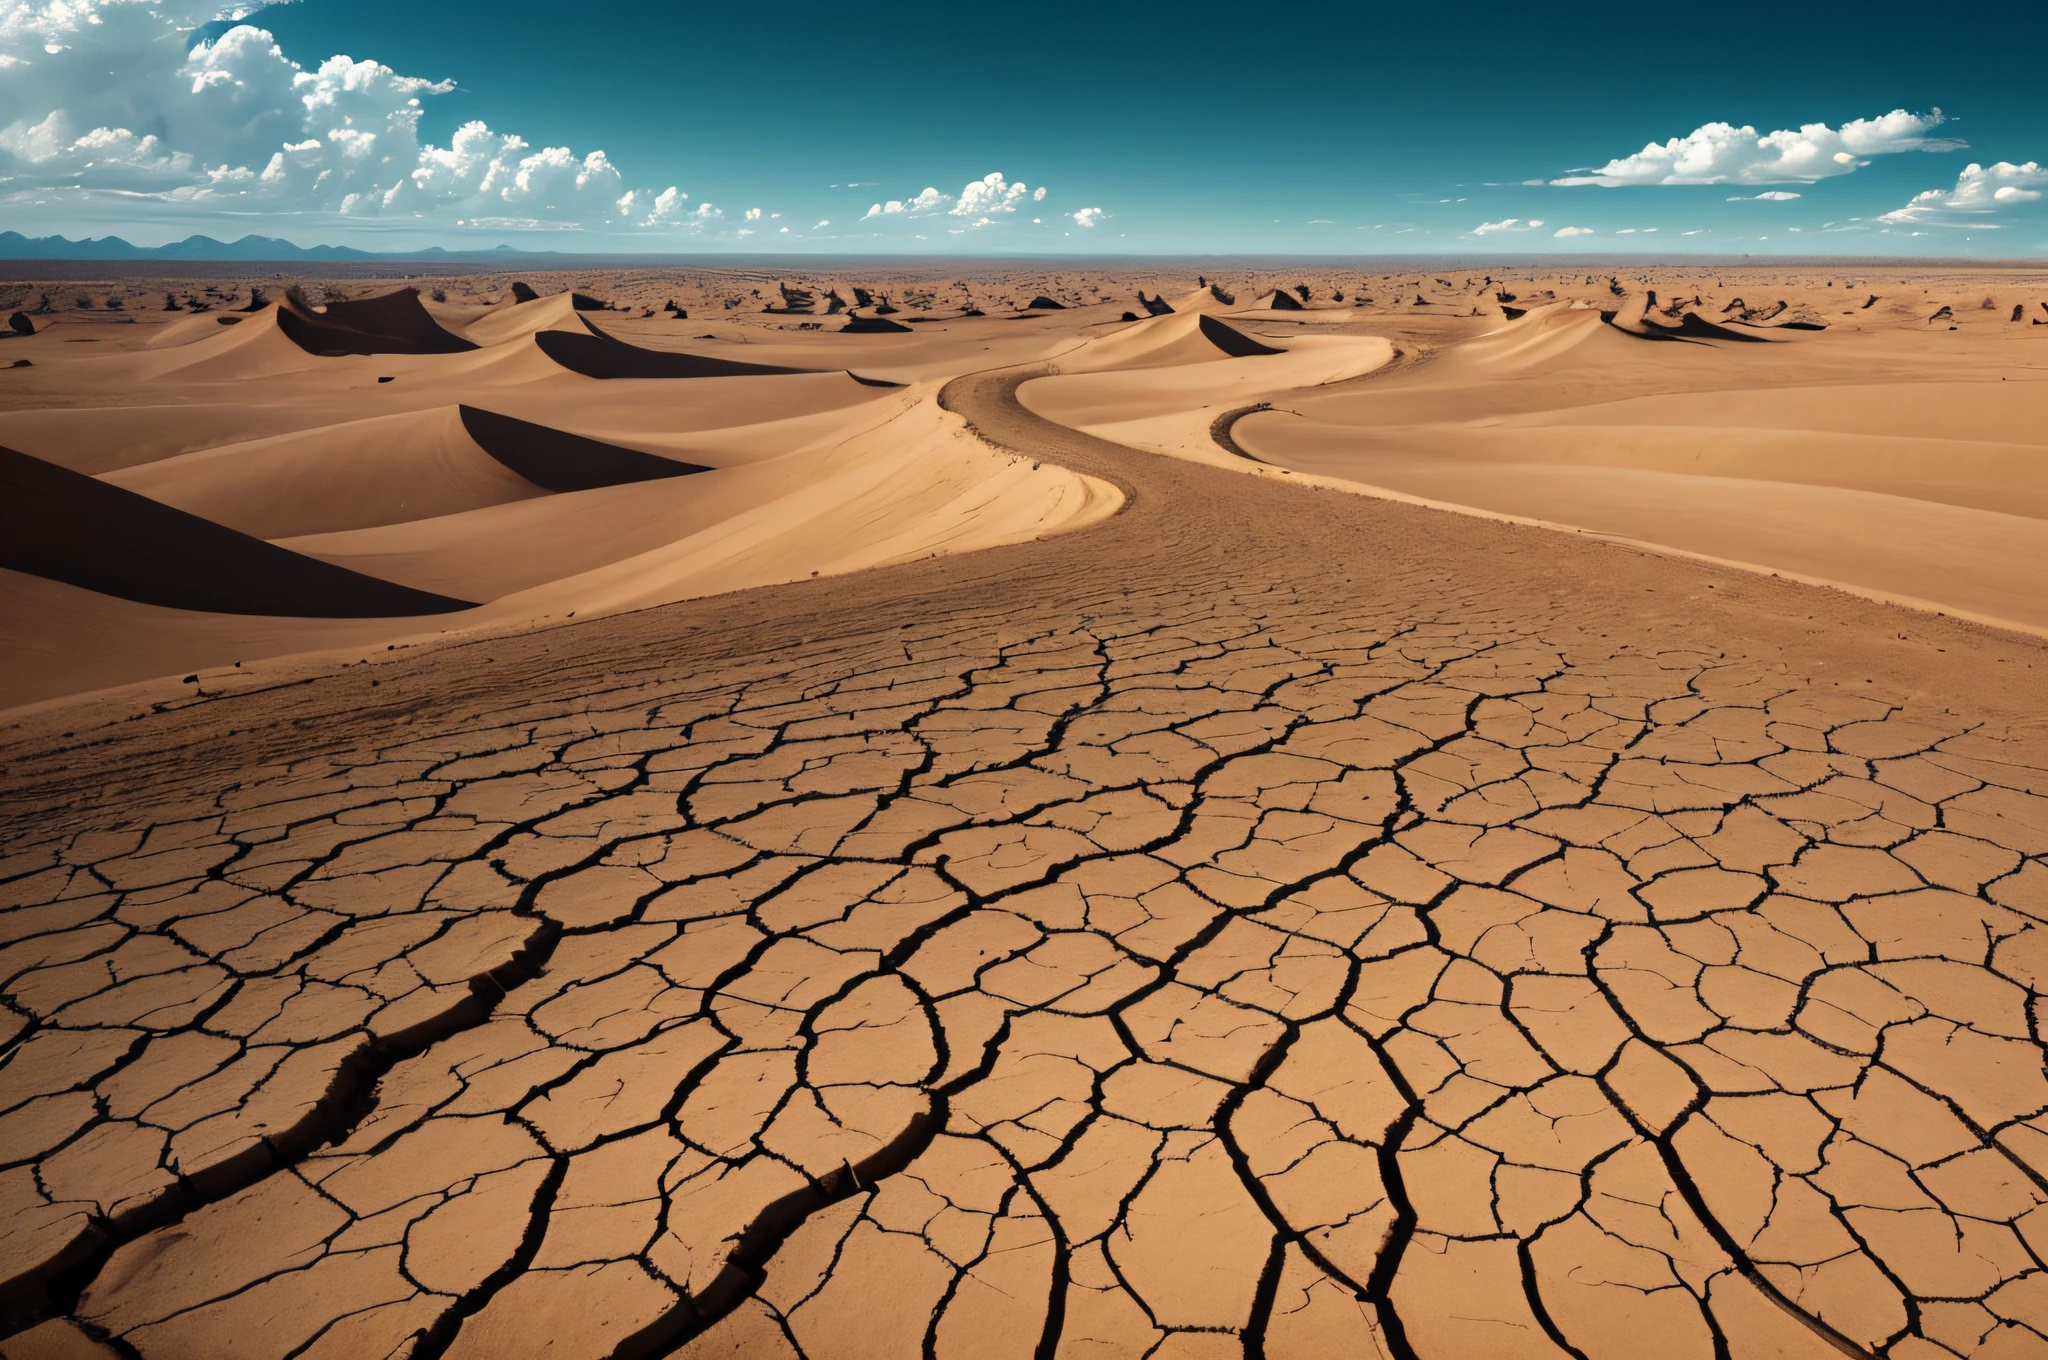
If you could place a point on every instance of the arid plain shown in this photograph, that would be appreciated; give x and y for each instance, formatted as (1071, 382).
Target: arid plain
(1026, 812)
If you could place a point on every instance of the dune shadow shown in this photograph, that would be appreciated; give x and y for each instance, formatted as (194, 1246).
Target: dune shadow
(394, 323)
(857, 324)
(1691, 327)
(598, 355)
(66, 526)
(1233, 341)
(560, 461)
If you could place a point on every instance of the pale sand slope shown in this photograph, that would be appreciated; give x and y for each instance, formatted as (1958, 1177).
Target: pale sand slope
(1879, 454)
(1912, 467)
(382, 470)
(791, 476)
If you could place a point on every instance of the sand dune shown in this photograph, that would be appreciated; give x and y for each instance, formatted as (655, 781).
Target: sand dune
(99, 439)
(84, 532)
(254, 347)
(432, 440)
(598, 355)
(864, 497)
(185, 330)
(561, 461)
(1186, 363)
(1233, 342)
(394, 323)
(515, 319)
(751, 472)
(1935, 493)
(386, 470)
(1166, 341)
(1691, 326)
(376, 471)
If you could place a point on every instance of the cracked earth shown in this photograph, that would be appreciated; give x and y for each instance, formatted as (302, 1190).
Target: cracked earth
(1389, 936)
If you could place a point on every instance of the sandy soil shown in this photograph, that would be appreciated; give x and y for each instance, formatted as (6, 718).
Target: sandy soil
(967, 884)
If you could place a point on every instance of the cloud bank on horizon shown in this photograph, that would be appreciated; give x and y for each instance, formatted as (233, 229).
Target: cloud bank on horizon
(1980, 190)
(238, 127)
(1720, 153)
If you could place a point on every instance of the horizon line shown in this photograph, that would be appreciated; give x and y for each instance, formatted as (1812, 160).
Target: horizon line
(447, 256)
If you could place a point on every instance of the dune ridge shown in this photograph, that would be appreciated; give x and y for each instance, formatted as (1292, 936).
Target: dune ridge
(72, 528)
(394, 323)
(599, 355)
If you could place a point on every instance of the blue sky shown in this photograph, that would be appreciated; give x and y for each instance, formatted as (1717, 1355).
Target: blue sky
(1195, 127)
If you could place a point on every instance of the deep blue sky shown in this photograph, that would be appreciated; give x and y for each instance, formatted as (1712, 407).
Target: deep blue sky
(1226, 127)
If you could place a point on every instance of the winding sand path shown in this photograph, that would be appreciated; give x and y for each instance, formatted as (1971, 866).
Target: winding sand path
(1269, 922)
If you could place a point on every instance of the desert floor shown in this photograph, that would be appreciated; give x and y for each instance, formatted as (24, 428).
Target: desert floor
(1495, 815)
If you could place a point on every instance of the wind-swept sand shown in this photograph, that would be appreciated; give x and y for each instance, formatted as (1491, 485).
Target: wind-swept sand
(1270, 920)
(493, 464)
(1913, 471)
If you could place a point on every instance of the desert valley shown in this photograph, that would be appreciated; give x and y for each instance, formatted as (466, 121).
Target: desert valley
(992, 809)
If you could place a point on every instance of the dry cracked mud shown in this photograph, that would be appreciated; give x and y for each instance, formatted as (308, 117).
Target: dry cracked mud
(1272, 923)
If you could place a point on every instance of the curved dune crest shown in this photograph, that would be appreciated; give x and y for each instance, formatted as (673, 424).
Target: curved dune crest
(1168, 340)
(72, 528)
(524, 318)
(1754, 452)
(393, 469)
(254, 347)
(1540, 337)
(383, 470)
(191, 329)
(394, 323)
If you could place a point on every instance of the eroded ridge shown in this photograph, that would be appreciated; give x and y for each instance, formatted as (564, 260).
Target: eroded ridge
(1223, 968)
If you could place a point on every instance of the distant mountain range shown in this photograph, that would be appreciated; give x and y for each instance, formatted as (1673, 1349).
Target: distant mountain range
(15, 246)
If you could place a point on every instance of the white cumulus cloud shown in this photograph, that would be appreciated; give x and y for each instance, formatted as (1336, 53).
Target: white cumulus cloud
(233, 125)
(1767, 196)
(990, 193)
(930, 201)
(1573, 231)
(669, 206)
(1088, 217)
(1721, 153)
(1979, 190)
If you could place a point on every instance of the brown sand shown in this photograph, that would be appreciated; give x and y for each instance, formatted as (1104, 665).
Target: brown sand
(1269, 920)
